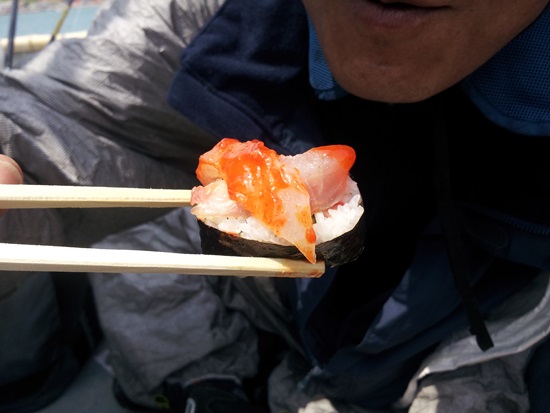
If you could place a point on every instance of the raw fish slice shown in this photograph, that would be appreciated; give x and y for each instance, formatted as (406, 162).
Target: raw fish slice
(324, 171)
(213, 164)
(294, 221)
(212, 202)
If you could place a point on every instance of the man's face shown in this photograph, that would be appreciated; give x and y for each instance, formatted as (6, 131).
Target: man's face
(407, 51)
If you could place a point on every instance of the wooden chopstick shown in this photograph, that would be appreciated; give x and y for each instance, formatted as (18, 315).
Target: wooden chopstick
(60, 196)
(25, 257)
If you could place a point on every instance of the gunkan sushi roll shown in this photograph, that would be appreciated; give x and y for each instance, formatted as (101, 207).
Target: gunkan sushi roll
(255, 202)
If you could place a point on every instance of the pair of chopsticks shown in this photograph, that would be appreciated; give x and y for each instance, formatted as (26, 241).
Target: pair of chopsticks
(23, 257)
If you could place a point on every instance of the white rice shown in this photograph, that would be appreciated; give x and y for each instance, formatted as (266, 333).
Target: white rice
(338, 221)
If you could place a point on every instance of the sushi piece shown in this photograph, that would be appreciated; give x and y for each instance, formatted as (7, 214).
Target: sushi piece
(253, 201)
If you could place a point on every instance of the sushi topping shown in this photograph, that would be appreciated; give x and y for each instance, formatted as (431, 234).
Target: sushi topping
(249, 182)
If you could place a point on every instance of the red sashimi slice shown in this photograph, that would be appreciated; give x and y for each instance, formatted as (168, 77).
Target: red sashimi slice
(324, 171)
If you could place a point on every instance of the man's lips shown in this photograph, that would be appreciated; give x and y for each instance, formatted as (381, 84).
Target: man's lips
(422, 4)
(397, 14)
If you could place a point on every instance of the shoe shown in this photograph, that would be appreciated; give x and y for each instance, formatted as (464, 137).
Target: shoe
(218, 396)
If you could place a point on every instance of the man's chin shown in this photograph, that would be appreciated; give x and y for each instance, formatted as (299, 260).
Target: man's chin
(393, 92)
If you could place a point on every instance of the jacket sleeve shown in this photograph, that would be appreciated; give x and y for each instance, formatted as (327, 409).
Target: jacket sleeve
(248, 80)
